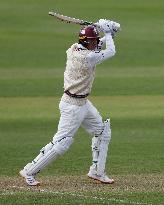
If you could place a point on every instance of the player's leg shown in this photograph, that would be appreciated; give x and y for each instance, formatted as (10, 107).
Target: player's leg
(101, 133)
(70, 120)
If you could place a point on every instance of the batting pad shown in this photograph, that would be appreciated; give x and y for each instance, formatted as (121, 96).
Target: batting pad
(95, 148)
(103, 147)
(59, 148)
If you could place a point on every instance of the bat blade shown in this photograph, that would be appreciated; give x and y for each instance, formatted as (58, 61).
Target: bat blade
(68, 19)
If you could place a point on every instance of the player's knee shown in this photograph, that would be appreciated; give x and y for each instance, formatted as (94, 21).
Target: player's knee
(106, 134)
(62, 145)
(105, 131)
(59, 146)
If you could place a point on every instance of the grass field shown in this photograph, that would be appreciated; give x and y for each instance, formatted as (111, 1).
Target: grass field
(129, 88)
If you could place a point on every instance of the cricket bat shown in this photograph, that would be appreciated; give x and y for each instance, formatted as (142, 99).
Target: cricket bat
(68, 19)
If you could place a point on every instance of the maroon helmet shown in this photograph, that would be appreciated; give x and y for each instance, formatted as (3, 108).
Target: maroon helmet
(89, 32)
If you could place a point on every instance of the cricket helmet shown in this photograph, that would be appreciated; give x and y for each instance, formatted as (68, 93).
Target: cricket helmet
(88, 32)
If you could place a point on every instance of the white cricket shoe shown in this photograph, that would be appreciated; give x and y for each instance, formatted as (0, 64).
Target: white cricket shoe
(101, 178)
(30, 180)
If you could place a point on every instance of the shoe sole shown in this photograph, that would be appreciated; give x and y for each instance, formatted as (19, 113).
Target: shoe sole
(22, 175)
(98, 180)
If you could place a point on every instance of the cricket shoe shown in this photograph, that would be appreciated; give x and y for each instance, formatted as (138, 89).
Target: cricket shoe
(30, 180)
(101, 178)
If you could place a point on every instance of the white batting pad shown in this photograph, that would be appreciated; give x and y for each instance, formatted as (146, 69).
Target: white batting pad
(49, 153)
(95, 148)
(102, 149)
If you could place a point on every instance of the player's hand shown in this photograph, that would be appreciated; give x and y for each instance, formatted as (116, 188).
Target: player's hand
(104, 26)
(108, 26)
(115, 28)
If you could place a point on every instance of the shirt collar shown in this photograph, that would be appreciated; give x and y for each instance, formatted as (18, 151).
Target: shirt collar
(81, 46)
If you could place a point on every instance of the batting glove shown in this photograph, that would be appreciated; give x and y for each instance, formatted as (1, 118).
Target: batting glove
(108, 26)
(104, 26)
(115, 28)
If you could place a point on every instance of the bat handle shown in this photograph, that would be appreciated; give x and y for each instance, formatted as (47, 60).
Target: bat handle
(97, 26)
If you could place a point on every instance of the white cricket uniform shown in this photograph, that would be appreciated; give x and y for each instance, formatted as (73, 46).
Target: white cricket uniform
(78, 79)
(75, 112)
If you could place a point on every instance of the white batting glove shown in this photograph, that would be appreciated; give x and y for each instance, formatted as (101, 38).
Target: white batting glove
(108, 26)
(104, 26)
(115, 28)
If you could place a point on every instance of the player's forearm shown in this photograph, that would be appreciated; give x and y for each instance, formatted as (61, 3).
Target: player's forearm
(110, 47)
(108, 52)
(97, 57)
(101, 43)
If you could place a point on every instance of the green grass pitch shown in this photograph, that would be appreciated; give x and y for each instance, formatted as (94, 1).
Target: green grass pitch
(128, 88)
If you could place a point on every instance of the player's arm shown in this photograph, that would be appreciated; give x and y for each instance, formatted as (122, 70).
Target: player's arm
(96, 57)
(108, 28)
(101, 43)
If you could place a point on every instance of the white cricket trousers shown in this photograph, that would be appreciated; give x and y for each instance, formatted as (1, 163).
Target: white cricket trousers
(74, 116)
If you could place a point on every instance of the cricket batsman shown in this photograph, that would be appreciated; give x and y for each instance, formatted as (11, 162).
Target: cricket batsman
(75, 109)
